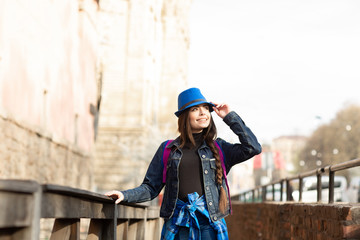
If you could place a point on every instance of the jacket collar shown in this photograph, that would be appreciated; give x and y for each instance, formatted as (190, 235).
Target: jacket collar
(176, 143)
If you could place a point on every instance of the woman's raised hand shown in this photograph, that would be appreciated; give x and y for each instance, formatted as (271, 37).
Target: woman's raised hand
(115, 195)
(221, 109)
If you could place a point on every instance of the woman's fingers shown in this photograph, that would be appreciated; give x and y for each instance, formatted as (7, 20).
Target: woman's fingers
(111, 194)
(119, 200)
(220, 105)
(221, 109)
(115, 195)
(217, 105)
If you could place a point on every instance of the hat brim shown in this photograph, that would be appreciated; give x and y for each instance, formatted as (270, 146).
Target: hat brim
(178, 113)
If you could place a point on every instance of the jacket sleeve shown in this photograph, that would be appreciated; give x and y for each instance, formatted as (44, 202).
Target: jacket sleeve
(239, 152)
(152, 183)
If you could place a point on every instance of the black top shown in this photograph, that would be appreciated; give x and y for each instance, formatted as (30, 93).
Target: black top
(190, 170)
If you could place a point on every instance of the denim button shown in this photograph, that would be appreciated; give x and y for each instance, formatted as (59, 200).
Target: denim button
(215, 218)
(207, 188)
(206, 171)
(203, 156)
(210, 203)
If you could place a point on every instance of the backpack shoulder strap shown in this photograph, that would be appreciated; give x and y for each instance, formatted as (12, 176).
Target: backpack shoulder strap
(221, 157)
(165, 158)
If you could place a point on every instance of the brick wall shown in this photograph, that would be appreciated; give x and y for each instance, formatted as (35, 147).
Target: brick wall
(295, 221)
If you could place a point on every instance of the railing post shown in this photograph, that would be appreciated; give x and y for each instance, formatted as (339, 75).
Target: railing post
(281, 189)
(35, 234)
(288, 190)
(318, 187)
(331, 186)
(263, 194)
(114, 223)
(300, 188)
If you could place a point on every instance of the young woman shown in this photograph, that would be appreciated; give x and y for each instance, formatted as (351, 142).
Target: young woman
(196, 197)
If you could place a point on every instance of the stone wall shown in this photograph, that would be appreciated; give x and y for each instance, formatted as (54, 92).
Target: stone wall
(30, 153)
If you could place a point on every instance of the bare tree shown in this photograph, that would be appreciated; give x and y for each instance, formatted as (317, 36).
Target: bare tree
(335, 142)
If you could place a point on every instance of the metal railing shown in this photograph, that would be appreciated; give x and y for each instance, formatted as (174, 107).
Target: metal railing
(24, 203)
(258, 194)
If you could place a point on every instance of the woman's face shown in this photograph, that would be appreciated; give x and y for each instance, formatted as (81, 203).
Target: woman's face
(199, 117)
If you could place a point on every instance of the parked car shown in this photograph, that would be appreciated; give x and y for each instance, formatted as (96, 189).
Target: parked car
(309, 192)
(277, 189)
(353, 191)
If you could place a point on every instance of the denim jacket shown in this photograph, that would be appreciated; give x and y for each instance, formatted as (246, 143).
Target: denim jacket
(233, 154)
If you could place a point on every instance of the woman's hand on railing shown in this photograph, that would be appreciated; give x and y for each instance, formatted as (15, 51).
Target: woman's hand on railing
(115, 195)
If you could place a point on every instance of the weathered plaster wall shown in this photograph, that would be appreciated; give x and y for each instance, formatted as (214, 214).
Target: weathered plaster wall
(48, 80)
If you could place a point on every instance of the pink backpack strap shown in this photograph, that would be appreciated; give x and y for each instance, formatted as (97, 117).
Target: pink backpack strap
(221, 158)
(224, 170)
(165, 158)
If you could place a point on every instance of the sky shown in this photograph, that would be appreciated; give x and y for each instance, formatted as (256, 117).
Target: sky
(285, 66)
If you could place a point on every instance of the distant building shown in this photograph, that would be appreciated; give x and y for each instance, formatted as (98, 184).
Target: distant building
(144, 67)
(277, 160)
(241, 177)
(263, 166)
(286, 150)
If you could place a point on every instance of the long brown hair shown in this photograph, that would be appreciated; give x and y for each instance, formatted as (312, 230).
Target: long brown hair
(209, 135)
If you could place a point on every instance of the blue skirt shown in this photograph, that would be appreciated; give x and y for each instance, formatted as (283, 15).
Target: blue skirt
(191, 220)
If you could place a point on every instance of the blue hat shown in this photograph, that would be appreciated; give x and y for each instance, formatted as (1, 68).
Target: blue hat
(189, 98)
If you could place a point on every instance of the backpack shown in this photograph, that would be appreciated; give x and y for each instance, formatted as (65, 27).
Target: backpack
(165, 158)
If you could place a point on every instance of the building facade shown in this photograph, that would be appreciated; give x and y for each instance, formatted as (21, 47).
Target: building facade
(144, 67)
(48, 84)
(88, 88)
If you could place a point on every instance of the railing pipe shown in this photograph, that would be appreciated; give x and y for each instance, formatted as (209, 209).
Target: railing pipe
(317, 172)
